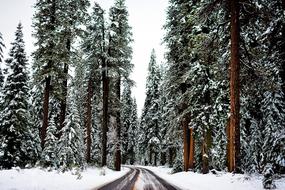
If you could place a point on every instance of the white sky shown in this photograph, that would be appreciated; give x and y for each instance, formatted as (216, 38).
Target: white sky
(146, 18)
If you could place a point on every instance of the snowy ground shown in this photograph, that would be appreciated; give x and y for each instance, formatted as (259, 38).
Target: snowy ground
(221, 181)
(38, 179)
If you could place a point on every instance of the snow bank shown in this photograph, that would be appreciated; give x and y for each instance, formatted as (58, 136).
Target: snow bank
(221, 181)
(38, 179)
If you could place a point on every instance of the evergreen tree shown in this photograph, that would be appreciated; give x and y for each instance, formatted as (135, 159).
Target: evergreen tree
(132, 134)
(120, 54)
(49, 155)
(94, 48)
(35, 109)
(71, 15)
(127, 106)
(150, 141)
(273, 121)
(16, 130)
(46, 56)
(70, 145)
(56, 24)
(178, 25)
(79, 84)
(170, 136)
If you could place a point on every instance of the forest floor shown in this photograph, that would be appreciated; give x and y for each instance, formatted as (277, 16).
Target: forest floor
(94, 178)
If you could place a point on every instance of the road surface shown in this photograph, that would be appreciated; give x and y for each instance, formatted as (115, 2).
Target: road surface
(139, 179)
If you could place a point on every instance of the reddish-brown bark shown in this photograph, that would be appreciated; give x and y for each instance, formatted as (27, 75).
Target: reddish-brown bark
(191, 150)
(234, 129)
(47, 88)
(186, 143)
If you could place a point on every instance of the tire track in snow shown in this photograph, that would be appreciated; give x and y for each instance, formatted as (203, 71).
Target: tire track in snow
(125, 182)
(139, 179)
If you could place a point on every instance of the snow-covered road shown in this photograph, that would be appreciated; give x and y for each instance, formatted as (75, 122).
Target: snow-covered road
(139, 179)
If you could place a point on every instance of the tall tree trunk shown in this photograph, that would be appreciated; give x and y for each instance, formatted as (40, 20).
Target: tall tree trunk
(45, 110)
(186, 143)
(186, 131)
(118, 125)
(88, 122)
(105, 112)
(47, 88)
(64, 90)
(191, 150)
(234, 130)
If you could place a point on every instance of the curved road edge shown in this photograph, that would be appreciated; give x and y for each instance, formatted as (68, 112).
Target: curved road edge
(116, 180)
(166, 184)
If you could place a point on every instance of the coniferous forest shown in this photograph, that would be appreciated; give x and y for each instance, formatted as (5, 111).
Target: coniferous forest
(217, 103)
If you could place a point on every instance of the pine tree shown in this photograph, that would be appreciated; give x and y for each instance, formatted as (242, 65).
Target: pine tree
(79, 84)
(132, 148)
(46, 56)
(70, 145)
(56, 24)
(170, 136)
(94, 48)
(120, 54)
(49, 155)
(35, 109)
(163, 123)
(150, 141)
(15, 127)
(71, 15)
(178, 25)
(127, 106)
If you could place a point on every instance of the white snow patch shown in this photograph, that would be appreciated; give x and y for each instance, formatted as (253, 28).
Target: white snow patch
(221, 181)
(39, 179)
